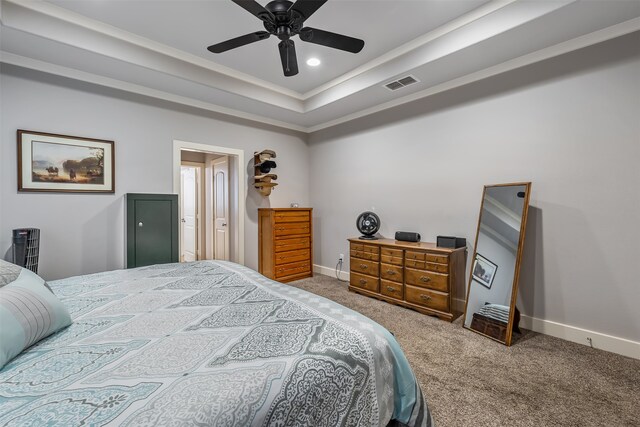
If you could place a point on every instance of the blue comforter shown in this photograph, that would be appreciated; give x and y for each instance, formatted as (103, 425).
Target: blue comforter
(208, 343)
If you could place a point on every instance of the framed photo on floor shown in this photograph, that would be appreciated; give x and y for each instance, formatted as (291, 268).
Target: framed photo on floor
(65, 164)
(484, 271)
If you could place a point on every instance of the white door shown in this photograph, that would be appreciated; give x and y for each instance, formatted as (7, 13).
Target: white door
(221, 208)
(189, 211)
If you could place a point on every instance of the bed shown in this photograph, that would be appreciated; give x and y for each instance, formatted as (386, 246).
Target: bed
(208, 343)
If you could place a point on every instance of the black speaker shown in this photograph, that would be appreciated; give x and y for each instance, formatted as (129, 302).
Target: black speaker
(407, 236)
(451, 242)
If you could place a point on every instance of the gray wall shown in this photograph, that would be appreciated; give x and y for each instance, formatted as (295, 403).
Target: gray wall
(85, 233)
(571, 125)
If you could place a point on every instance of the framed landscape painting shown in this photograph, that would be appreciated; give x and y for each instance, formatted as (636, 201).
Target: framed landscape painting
(62, 163)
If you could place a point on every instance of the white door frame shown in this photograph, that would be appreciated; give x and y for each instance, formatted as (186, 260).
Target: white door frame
(179, 145)
(200, 209)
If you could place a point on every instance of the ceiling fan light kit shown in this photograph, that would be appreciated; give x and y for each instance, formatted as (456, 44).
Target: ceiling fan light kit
(284, 19)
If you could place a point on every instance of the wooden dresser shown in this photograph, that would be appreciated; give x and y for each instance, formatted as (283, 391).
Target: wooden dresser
(285, 243)
(420, 275)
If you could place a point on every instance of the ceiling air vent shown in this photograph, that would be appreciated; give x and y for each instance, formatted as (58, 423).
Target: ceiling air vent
(400, 83)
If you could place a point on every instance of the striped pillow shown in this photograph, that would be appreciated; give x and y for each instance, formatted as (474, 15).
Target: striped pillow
(496, 312)
(29, 311)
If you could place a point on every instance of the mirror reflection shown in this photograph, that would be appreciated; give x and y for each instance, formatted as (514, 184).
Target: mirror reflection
(490, 297)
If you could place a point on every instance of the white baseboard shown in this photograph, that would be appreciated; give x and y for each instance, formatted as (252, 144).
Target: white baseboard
(599, 340)
(331, 272)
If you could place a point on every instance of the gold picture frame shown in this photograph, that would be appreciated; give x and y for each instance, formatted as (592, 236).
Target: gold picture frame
(49, 162)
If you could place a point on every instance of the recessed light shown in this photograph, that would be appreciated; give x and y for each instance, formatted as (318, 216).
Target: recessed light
(313, 62)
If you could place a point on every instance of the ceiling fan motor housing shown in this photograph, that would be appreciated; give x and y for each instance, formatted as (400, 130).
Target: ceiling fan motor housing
(288, 22)
(284, 19)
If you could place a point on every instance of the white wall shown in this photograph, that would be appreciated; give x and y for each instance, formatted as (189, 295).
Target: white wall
(85, 233)
(571, 125)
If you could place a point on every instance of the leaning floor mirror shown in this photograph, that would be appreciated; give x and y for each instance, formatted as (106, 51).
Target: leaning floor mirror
(490, 308)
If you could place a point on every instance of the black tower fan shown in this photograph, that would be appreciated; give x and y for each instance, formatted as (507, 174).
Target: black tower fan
(26, 248)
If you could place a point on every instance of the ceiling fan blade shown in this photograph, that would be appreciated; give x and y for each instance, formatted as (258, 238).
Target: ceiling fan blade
(238, 41)
(255, 9)
(288, 56)
(329, 39)
(306, 8)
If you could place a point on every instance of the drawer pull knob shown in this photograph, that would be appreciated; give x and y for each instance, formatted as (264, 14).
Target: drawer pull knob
(391, 272)
(364, 266)
(425, 297)
(363, 282)
(391, 289)
(425, 279)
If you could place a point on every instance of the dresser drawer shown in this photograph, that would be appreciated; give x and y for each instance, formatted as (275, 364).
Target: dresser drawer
(427, 279)
(364, 266)
(390, 259)
(412, 255)
(292, 228)
(391, 272)
(292, 244)
(362, 247)
(435, 300)
(391, 289)
(365, 255)
(291, 216)
(293, 256)
(300, 267)
(424, 265)
(438, 268)
(391, 252)
(441, 259)
(412, 263)
(365, 282)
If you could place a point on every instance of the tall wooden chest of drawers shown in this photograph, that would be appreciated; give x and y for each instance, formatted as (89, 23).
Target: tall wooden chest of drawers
(420, 275)
(285, 243)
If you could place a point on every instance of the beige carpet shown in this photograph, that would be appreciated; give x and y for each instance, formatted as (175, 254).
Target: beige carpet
(469, 380)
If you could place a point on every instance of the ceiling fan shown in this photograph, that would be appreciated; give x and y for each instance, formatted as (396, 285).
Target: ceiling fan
(284, 19)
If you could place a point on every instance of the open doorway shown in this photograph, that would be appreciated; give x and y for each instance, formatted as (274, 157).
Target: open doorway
(209, 182)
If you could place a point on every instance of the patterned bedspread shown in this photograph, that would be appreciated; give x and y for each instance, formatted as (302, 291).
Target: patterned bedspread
(208, 343)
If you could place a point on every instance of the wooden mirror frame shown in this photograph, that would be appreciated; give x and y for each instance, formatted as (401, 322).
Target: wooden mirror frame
(516, 273)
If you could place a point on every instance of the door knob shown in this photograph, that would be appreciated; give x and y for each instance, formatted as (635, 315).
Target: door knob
(182, 220)
(140, 224)
(224, 224)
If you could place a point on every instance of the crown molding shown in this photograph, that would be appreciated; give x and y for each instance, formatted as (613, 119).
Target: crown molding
(115, 32)
(540, 55)
(34, 64)
(89, 24)
(447, 28)
(605, 34)
(60, 25)
(64, 26)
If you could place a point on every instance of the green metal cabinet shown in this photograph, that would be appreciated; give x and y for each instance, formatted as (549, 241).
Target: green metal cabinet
(152, 229)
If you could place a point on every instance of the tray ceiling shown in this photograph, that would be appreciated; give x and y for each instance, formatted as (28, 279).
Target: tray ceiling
(192, 25)
(158, 48)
